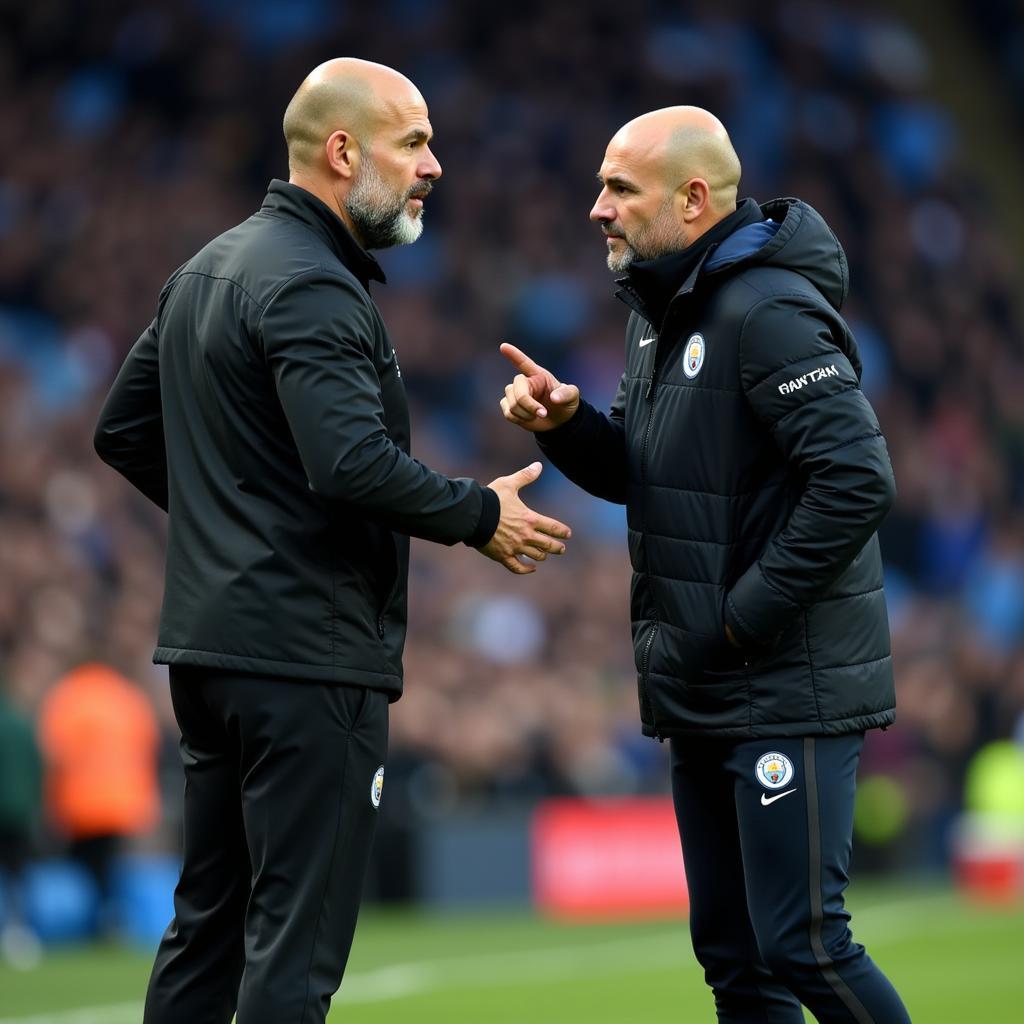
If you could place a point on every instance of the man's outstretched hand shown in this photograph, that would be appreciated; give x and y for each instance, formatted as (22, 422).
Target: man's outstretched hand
(536, 400)
(521, 531)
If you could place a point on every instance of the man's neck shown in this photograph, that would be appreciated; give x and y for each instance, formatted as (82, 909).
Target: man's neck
(657, 280)
(327, 197)
(708, 221)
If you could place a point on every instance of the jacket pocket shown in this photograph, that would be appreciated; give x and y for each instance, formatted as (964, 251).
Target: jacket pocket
(690, 707)
(720, 659)
(393, 590)
(647, 639)
(348, 703)
(696, 682)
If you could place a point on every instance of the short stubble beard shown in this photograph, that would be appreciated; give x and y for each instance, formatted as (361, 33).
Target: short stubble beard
(661, 236)
(379, 214)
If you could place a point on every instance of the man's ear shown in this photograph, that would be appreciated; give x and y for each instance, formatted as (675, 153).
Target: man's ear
(342, 153)
(692, 198)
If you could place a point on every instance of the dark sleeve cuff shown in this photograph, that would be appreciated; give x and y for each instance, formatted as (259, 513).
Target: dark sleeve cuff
(490, 513)
(554, 439)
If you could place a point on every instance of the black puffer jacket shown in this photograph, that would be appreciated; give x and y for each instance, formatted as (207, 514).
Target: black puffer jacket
(754, 475)
(264, 409)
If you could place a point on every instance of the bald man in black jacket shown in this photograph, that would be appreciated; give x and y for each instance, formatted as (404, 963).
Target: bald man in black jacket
(754, 476)
(264, 410)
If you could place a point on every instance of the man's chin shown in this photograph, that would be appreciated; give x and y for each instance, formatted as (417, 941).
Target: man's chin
(409, 228)
(620, 254)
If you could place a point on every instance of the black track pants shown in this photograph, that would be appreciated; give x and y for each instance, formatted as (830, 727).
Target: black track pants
(766, 828)
(279, 821)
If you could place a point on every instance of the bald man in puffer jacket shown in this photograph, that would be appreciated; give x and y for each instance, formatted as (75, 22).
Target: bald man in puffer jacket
(754, 476)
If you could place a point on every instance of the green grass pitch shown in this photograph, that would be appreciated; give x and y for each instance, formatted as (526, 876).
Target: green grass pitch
(953, 962)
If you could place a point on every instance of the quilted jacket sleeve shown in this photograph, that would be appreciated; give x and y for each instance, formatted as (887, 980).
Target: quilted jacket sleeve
(797, 374)
(591, 449)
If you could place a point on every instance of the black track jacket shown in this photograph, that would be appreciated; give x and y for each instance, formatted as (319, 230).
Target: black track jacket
(754, 476)
(264, 410)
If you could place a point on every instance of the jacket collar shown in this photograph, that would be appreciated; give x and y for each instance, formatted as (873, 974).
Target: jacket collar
(650, 286)
(288, 200)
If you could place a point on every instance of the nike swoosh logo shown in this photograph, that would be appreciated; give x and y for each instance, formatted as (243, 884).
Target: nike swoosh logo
(646, 341)
(766, 799)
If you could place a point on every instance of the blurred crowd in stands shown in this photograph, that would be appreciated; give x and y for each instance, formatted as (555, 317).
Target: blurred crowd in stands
(132, 136)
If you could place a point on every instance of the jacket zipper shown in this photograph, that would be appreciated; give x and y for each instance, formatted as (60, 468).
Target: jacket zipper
(383, 609)
(645, 700)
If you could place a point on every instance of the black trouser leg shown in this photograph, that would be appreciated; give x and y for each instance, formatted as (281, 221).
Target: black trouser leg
(723, 939)
(304, 757)
(796, 841)
(309, 821)
(199, 962)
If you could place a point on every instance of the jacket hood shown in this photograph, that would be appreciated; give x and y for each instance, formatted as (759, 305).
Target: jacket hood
(793, 235)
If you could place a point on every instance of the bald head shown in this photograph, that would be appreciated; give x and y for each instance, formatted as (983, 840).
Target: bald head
(681, 143)
(667, 177)
(344, 94)
(358, 138)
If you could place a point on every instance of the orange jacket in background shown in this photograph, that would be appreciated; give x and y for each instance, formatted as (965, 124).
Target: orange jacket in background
(100, 738)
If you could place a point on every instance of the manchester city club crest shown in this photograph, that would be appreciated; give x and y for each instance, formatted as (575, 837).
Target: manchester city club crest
(774, 770)
(693, 357)
(377, 786)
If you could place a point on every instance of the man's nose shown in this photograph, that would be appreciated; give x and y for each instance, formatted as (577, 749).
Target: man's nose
(602, 210)
(429, 167)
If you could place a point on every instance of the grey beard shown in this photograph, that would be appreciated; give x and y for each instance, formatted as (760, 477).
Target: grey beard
(379, 214)
(618, 263)
(660, 237)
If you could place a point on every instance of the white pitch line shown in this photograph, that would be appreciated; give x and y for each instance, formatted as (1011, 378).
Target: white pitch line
(885, 922)
(396, 981)
(484, 969)
(113, 1013)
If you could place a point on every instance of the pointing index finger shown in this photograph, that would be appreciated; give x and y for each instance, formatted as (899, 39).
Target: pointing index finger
(519, 359)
